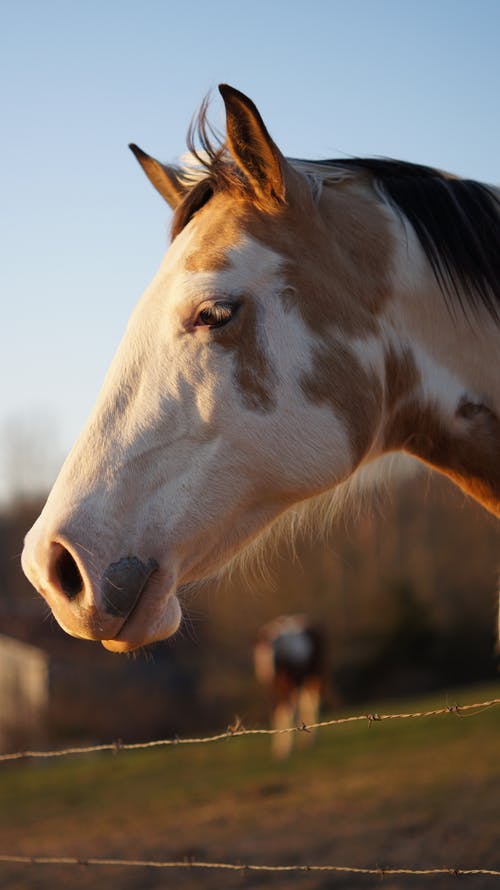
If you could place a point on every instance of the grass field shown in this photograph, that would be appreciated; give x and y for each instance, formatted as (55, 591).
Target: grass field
(406, 793)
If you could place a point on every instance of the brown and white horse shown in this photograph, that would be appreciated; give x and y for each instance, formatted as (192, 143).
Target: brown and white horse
(288, 658)
(308, 319)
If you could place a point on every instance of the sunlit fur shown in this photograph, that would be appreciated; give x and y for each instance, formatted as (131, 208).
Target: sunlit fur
(360, 320)
(365, 490)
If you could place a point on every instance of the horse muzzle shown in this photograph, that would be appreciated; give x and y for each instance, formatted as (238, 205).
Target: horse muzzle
(126, 606)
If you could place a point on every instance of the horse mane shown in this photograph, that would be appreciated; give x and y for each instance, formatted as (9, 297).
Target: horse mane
(456, 221)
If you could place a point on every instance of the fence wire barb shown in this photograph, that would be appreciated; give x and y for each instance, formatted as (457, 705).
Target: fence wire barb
(234, 866)
(237, 731)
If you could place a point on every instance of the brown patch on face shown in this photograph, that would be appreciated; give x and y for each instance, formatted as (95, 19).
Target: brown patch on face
(253, 374)
(337, 256)
(336, 264)
(467, 452)
(340, 381)
(218, 229)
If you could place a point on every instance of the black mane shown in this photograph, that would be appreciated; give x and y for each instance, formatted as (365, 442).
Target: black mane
(457, 222)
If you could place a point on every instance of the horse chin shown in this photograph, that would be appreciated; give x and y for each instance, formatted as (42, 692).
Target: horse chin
(139, 631)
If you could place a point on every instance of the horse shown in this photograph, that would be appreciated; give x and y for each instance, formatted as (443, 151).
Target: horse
(309, 319)
(288, 659)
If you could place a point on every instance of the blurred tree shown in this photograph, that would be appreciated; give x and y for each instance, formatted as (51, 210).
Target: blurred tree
(29, 456)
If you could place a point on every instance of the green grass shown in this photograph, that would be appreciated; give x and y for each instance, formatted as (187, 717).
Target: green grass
(410, 790)
(181, 775)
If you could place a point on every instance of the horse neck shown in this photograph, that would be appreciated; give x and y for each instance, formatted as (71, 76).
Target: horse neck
(442, 380)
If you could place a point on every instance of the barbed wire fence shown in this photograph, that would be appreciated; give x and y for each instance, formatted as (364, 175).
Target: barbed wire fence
(234, 731)
(237, 730)
(234, 866)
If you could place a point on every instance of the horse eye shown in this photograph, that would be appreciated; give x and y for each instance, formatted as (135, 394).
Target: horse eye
(215, 315)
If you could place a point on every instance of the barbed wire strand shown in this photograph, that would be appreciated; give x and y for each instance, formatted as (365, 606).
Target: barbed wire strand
(234, 866)
(238, 731)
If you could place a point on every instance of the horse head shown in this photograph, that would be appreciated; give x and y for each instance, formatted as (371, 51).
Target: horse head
(256, 372)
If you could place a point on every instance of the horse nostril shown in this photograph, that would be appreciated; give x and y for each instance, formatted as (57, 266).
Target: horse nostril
(68, 573)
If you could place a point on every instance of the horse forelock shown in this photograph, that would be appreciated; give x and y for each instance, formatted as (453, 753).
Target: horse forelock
(207, 169)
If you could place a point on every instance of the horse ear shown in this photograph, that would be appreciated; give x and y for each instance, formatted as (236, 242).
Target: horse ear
(252, 147)
(166, 180)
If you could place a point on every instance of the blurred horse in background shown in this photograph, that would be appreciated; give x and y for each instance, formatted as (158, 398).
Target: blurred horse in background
(289, 661)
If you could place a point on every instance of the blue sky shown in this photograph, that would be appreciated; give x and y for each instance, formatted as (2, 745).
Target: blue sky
(82, 231)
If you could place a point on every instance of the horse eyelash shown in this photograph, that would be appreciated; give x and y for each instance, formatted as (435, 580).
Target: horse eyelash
(222, 312)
